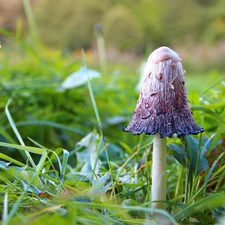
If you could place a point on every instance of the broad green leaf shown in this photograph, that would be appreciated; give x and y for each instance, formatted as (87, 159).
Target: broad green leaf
(178, 153)
(192, 151)
(193, 154)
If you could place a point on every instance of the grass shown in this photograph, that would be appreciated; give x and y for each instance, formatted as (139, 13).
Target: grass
(65, 159)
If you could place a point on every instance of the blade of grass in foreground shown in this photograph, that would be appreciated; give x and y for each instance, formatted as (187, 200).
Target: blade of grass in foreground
(33, 181)
(62, 166)
(208, 177)
(5, 210)
(9, 159)
(92, 96)
(210, 202)
(28, 149)
(63, 169)
(48, 124)
(17, 132)
(97, 115)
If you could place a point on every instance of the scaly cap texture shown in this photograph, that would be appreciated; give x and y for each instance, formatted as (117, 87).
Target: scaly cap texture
(163, 105)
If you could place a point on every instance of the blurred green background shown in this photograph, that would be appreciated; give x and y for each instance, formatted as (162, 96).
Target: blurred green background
(132, 29)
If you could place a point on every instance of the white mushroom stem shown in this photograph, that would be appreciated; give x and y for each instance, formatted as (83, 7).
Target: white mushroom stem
(158, 173)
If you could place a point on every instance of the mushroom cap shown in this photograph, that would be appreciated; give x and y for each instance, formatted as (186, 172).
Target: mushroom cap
(163, 106)
(163, 54)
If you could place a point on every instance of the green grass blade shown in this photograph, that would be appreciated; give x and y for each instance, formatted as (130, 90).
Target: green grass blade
(65, 161)
(5, 210)
(6, 136)
(125, 163)
(48, 124)
(30, 18)
(39, 167)
(33, 181)
(210, 202)
(213, 85)
(92, 95)
(12, 123)
(64, 164)
(208, 111)
(96, 113)
(213, 167)
(9, 159)
(17, 132)
(28, 149)
(207, 178)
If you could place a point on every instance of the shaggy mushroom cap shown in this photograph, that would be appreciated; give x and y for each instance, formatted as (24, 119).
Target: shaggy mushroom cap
(163, 105)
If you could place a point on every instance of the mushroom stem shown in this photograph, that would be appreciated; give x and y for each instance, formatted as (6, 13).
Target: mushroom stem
(158, 173)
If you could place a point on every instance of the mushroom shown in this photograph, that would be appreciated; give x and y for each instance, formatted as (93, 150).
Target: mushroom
(162, 110)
